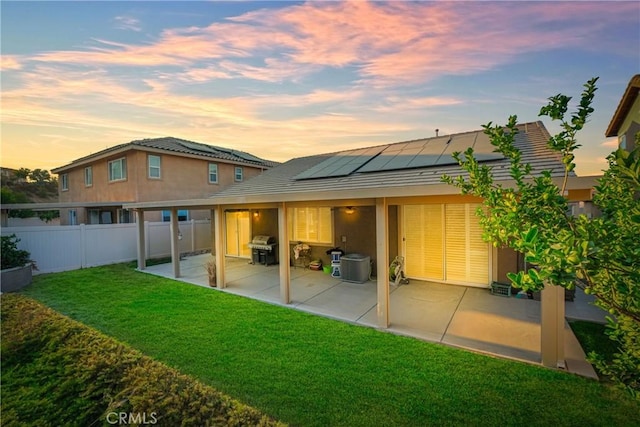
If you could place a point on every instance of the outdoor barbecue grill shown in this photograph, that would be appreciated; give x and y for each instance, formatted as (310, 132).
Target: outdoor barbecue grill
(264, 250)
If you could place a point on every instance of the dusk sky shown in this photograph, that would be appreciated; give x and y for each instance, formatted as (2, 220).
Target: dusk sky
(289, 79)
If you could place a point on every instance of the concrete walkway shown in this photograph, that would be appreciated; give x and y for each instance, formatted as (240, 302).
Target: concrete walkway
(459, 316)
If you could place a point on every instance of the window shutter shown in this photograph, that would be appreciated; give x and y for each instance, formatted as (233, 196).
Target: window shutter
(467, 255)
(478, 250)
(456, 242)
(324, 227)
(423, 241)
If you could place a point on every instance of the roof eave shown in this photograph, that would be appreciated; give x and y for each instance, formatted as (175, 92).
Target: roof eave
(629, 97)
(132, 147)
(573, 183)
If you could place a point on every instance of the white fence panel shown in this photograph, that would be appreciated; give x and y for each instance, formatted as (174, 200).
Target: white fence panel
(158, 239)
(52, 248)
(108, 244)
(70, 247)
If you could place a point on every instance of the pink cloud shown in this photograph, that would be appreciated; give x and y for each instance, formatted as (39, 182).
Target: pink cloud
(610, 143)
(389, 43)
(10, 62)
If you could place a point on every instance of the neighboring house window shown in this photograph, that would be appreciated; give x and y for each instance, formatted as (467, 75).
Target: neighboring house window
(118, 170)
(125, 216)
(311, 225)
(154, 166)
(239, 174)
(73, 217)
(213, 173)
(623, 141)
(88, 176)
(105, 217)
(64, 181)
(183, 215)
(94, 216)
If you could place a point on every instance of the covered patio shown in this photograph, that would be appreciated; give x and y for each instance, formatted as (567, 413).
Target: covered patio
(459, 316)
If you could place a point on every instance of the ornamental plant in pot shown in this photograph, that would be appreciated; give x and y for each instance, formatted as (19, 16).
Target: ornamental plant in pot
(16, 265)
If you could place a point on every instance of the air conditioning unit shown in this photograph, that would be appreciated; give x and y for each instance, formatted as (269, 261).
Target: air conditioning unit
(355, 268)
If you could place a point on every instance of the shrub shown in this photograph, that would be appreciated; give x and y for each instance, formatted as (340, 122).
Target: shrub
(57, 371)
(11, 255)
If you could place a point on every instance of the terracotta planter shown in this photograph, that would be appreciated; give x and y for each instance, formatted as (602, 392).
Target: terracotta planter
(14, 279)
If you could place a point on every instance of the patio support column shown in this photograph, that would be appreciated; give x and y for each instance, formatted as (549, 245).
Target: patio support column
(382, 258)
(552, 326)
(284, 256)
(175, 243)
(142, 255)
(218, 247)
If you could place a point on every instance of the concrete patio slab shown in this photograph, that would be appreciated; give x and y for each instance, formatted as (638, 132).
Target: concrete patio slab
(459, 316)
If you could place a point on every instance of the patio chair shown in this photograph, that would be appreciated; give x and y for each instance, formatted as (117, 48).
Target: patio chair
(301, 255)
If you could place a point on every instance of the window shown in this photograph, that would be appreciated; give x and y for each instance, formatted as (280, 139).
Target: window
(73, 217)
(154, 166)
(118, 170)
(105, 217)
(238, 174)
(183, 215)
(94, 216)
(64, 181)
(622, 139)
(125, 216)
(213, 173)
(88, 176)
(312, 225)
(444, 243)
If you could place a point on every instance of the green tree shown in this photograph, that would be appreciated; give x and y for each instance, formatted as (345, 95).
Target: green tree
(601, 255)
(28, 186)
(7, 196)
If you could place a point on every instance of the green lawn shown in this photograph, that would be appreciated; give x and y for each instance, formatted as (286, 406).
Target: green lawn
(308, 370)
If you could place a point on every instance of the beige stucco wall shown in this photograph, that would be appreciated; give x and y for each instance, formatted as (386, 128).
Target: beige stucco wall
(631, 125)
(181, 178)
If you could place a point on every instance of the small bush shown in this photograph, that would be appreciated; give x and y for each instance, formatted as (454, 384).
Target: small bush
(11, 255)
(57, 371)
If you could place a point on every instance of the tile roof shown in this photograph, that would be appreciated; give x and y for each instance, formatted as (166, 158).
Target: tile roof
(281, 183)
(180, 147)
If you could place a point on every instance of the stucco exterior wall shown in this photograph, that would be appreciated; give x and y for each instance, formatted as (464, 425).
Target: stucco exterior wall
(631, 126)
(180, 178)
(265, 224)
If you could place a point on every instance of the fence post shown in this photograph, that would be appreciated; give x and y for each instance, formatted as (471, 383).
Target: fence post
(83, 246)
(147, 236)
(193, 235)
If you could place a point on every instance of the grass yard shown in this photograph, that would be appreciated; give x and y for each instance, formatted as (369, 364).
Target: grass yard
(312, 371)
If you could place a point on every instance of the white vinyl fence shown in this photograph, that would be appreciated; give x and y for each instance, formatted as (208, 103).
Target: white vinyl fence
(70, 247)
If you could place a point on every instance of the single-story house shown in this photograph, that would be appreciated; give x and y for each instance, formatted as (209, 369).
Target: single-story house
(381, 202)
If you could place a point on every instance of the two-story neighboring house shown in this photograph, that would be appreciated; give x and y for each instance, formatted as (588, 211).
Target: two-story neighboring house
(149, 170)
(625, 123)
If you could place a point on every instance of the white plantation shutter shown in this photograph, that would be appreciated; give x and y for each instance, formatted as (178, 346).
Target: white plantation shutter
(456, 243)
(325, 229)
(232, 233)
(444, 242)
(244, 233)
(478, 257)
(312, 224)
(301, 227)
(423, 240)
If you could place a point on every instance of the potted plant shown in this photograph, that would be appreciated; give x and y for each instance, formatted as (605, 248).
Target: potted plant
(16, 265)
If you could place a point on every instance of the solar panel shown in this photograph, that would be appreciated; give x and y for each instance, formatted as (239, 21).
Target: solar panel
(341, 164)
(198, 147)
(431, 152)
(422, 153)
(412, 154)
